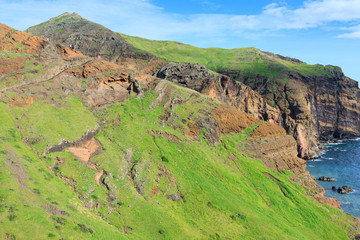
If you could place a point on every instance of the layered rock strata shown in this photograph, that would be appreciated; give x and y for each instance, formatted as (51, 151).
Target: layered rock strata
(308, 108)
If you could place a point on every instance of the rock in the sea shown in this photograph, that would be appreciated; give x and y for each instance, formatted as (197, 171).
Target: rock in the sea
(327, 179)
(345, 189)
(334, 188)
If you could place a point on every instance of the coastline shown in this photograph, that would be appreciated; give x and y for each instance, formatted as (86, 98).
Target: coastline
(331, 162)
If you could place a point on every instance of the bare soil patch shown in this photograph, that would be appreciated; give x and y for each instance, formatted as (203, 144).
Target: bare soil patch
(9, 65)
(84, 151)
(23, 102)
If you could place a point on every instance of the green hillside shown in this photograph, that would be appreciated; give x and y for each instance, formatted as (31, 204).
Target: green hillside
(158, 183)
(251, 61)
(110, 155)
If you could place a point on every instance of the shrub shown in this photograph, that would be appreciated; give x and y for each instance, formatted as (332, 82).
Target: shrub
(12, 217)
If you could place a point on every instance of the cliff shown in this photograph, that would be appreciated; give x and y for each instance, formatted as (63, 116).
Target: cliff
(314, 107)
(221, 87)
(315, 102)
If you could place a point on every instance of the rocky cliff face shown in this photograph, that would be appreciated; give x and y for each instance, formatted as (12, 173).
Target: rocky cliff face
(336, 106)
(317, 107)
(92, 39)
(221, 87)
(307, 107)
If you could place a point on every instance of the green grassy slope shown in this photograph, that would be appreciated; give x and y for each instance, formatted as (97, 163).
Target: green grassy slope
(31, 196)
(250, 61)
(220, 198)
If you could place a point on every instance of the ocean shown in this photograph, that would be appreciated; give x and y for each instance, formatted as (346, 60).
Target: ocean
(341, 161)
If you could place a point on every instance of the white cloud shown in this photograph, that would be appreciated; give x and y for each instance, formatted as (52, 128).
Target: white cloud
(354, 32)
(350, 35)
(140, 17)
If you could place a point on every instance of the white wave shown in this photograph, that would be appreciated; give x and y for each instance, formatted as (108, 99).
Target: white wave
(332, 144)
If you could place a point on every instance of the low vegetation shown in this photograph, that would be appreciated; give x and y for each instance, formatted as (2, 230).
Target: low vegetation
(154, 185)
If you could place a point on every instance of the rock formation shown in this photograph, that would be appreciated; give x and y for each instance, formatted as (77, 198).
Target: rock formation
(314, 107)
(326, 179)
(345, 189)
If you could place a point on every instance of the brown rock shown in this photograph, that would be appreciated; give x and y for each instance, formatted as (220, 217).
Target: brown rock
(69, 53)
(23, 102)
(19, 41)
(232, 120)
(267, 129)
(327, 179)
(4, 30)
(99, 66)
(329, 201)
(192, 131)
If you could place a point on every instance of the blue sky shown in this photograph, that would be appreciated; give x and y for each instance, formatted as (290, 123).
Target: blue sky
(315, 31)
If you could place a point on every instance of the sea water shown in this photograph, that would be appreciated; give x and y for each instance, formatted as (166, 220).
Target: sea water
(341, 161)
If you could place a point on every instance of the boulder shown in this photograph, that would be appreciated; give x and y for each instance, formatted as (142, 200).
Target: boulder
(345, 189)
(326, 179)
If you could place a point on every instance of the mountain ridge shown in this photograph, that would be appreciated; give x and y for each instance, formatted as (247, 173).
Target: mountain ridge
(275, 77)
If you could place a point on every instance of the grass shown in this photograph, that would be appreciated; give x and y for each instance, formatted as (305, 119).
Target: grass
(213, 187)
(33, 68)
(217, 59)
(219, 198)
(260, 70)
(221, 192)
(22, 212)
(45, 125)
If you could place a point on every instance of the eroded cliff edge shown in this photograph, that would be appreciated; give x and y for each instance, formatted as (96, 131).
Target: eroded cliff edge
(310, 108)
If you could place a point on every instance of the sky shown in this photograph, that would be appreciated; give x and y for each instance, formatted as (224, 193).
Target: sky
(315, 31)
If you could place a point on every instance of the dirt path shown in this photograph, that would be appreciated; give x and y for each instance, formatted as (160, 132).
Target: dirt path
(43, 80)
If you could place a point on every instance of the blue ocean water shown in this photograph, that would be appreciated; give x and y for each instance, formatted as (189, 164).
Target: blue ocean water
(340, 161)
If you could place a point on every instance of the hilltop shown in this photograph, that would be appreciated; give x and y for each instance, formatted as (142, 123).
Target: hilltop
(90, 38)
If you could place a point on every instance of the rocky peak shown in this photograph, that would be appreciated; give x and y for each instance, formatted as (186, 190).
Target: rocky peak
(66, 16)
(75, 32)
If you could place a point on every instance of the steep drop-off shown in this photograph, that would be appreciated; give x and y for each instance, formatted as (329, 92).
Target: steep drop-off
(315, 101)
